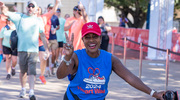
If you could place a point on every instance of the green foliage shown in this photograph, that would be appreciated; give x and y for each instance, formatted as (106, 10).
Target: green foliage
(177, 4)
(127, 3)
(176, 7)
(137, 8)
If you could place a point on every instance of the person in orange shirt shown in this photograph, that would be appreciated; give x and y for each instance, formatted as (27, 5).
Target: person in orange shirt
(47, 26)
(74, 25)
(2, 21)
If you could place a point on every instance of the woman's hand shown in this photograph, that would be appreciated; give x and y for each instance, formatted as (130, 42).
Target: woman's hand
(68, 47)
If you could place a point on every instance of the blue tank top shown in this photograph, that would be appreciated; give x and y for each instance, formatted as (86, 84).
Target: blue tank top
(92, 77)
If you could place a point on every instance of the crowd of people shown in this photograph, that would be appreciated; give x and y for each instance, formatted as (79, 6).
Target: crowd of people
(78, 48)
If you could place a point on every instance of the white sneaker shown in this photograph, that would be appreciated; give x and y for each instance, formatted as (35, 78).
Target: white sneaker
(38, 60)
(22, 93)
(95, 79)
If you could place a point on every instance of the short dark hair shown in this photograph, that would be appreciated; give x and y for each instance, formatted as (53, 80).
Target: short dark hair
(101, 17)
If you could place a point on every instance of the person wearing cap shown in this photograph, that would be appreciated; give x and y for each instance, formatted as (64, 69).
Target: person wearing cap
(90, 68)
(47, 27)
(11, 55)
(60, 34)
(28, 27)
(53, 44)
(74, 25)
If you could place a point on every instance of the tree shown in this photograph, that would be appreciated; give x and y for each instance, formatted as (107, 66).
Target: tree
(137, 8)
(176, 7)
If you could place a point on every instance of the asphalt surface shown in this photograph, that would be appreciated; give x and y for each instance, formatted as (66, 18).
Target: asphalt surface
(153, 75)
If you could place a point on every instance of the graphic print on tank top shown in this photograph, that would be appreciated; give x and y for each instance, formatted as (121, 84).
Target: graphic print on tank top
(94, 77)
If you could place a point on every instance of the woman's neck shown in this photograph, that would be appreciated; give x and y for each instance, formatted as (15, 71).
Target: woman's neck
(93, 54)
(101, 23)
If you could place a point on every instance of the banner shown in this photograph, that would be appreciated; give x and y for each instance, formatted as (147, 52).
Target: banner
(119, 33)
(140, 36)
(175, 46)
(130, 34)
(137, 35)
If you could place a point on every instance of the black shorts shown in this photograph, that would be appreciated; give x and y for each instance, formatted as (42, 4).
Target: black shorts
(7, 50)
(60, 44)
(41, 48)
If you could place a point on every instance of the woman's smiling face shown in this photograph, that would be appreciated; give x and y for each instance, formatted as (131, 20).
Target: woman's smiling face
(92, 42)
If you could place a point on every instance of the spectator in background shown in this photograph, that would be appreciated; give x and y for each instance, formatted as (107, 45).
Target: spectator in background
(30, 27)
(66, 16)
(11, 55)
(47, 27)
(53, 44)
(60, 34)
(105, 28)
(39, 12)
(123, 21)
(74, 25)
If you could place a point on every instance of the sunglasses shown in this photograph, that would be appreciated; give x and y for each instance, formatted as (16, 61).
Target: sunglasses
(50, 7)
(76, 9)
(29, 6)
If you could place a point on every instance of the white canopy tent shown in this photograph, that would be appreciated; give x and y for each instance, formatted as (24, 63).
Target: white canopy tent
(161, 25)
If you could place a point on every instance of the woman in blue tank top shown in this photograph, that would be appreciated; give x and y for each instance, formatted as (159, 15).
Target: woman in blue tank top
(90, 68)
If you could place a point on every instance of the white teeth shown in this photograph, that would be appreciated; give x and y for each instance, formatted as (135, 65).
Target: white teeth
(92, 45)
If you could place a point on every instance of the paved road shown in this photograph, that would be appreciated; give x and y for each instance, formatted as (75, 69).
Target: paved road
(152, 75)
